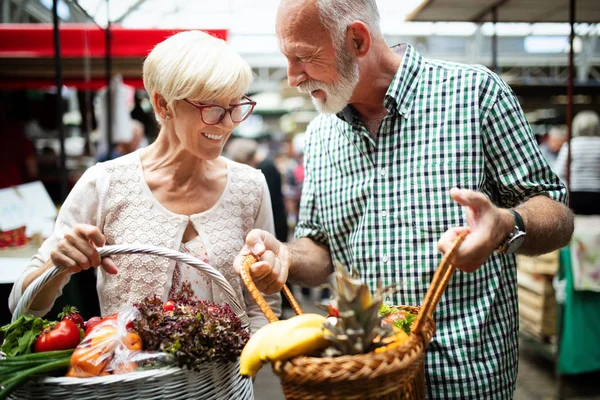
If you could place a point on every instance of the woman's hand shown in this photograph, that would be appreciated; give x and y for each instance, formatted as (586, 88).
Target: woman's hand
(271, 271)
(77, 251)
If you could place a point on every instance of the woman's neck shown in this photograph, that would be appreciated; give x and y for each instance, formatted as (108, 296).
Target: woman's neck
(171, 160)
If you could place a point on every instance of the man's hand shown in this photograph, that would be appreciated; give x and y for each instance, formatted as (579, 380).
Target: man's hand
(489, 226)
(271, 271)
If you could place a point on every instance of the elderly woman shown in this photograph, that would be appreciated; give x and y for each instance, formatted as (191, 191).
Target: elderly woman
(585, 164)
(178, 193)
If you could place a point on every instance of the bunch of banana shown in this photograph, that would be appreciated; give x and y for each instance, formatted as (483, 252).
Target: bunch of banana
(281, 340)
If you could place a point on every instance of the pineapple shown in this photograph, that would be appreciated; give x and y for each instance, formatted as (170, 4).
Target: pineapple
(358, 327)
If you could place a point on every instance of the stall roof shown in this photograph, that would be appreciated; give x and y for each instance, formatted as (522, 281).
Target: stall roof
(587, 11)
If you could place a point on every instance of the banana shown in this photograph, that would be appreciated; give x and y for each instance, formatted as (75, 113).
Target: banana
(281, 340)
(252, 358)
(302, 321)
(297, 342)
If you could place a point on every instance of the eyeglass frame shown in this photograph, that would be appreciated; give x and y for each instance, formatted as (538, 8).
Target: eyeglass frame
(201, 107)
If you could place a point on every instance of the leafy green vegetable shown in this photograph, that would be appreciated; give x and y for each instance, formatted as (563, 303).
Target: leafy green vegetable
(20, 335)
(195, 332)
(405, 322)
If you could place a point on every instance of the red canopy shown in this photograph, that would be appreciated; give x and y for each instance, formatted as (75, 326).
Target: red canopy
(24, 46)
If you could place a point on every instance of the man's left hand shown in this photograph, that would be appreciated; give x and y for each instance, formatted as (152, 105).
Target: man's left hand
(489, 226)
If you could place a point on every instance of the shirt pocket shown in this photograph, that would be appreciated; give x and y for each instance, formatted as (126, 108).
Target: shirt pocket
(428, 207)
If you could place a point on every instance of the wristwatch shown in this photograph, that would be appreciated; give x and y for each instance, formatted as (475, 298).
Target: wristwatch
(515, 239)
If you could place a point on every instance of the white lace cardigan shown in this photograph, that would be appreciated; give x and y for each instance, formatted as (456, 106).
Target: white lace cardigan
(115, 197)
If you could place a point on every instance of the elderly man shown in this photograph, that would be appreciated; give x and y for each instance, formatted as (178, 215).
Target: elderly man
(405, 154)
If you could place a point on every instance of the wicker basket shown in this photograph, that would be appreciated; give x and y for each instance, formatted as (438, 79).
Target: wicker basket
(391, 375)
(213, 381)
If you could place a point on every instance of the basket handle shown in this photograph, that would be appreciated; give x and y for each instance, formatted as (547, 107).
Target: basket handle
(438, 284)
(233, 301)
(257, 295)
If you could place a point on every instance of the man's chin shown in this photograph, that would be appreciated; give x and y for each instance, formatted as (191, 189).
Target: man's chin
(324, 108)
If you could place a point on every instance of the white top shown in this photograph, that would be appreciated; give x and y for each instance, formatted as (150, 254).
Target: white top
(585, 164)
(115, 197)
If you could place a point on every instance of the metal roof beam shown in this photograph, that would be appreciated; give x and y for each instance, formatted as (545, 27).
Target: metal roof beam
(481, 15)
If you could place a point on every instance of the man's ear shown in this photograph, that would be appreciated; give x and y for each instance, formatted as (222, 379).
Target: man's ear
(358, 39)
(161, 106)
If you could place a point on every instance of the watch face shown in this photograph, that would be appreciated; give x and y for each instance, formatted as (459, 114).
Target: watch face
(515, 242)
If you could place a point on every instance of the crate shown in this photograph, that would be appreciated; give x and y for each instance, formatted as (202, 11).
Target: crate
(546, 264)
(537, 305)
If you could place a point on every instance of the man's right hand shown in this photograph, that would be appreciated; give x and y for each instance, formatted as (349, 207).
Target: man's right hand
(271, 271)
(77, 251)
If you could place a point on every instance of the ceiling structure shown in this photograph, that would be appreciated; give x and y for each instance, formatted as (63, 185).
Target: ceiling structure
(530, 11)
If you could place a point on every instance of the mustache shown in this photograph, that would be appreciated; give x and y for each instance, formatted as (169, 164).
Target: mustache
(311, 85)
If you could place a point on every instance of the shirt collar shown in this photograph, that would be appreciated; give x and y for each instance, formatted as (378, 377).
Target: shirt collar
(402, 90)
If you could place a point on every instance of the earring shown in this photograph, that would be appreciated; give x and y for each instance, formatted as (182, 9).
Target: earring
(168, 116)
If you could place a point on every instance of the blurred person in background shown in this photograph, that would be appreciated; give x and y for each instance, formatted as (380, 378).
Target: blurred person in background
(18, 161)
(405, 155)
(138, 140)
(585, 163)
(178, 193)
(552, 143)
(246, 151)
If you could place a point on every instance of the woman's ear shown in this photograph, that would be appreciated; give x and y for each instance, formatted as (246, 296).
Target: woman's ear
(161, 106)
(358, 39)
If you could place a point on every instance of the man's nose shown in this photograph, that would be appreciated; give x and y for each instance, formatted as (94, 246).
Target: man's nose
(296, 74)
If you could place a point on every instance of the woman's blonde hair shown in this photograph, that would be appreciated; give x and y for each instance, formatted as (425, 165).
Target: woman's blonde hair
(197, 66)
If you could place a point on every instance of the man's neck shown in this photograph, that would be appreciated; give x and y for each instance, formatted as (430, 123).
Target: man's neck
(376, 76)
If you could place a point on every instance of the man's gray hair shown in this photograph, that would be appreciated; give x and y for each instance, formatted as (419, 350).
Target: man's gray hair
(336, 15)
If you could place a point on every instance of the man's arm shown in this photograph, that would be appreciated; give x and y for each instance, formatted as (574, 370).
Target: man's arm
(304, 261)
(549, 226)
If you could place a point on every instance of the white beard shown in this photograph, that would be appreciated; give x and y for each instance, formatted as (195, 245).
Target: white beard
(338, 94)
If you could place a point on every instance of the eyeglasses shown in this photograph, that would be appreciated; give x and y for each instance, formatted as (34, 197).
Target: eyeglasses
(212, 114)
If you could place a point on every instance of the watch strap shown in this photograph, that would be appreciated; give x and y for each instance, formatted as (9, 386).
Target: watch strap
(519, 223)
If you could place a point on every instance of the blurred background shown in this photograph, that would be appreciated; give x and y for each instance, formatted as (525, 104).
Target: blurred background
(60, 115)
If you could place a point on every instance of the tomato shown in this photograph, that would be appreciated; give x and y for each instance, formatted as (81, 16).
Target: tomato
(91, 323)
(63, 336)
(169, 305)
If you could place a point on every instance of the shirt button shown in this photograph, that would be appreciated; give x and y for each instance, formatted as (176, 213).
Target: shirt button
(384, 213)
(383, 172)
(385, 258)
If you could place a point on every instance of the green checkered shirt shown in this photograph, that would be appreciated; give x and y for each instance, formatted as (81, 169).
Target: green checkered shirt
(382, 204)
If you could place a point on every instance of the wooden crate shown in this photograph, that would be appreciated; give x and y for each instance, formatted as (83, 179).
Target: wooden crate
(546, 264)
(537, 305)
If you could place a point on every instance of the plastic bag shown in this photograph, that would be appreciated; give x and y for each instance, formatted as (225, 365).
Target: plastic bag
(111, 347)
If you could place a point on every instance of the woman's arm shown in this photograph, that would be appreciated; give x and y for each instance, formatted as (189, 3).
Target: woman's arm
(80, 207)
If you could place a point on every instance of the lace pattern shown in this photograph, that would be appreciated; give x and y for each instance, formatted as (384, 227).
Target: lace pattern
(226, 226)
(134, 218)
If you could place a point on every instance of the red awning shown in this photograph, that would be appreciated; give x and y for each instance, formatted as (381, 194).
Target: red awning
(29, 44)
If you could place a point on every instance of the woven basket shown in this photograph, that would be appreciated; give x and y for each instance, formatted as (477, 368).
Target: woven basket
(395, 374)
(214, 381)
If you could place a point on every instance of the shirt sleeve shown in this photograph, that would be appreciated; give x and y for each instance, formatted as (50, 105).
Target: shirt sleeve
(513, 161)
(82, 206)
(308, 219)
(264, 221)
